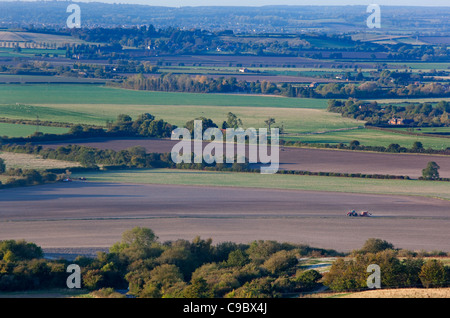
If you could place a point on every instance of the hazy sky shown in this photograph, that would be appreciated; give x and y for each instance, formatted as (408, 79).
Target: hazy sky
(178, 3)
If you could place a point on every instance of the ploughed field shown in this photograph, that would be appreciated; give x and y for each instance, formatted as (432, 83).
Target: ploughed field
(306, 159)
(92, 215)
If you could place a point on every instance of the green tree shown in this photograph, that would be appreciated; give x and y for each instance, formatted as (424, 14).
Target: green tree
(269, 122)
(2, 166)
(431, 172)
(198, 289)
(206, 123)
(354, 144)
(281, 262)
(93, 279)
(165, 276)
(375, 245)
(237, 258)
(417, 146)
(20, 250)
(308, 279)
(233, 121)
(139, 237)
(433, 274)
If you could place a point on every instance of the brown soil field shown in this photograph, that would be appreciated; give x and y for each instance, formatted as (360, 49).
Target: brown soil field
(92, 216)
(316, 160)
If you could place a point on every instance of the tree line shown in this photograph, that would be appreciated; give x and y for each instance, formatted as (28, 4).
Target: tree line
(409, 115)
(196, 84)
(169, 82)
(145, 125)
(149, 268)
(180, 268)
(417, 147)
(399, 269)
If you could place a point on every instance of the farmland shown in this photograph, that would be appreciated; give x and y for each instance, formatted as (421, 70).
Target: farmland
(282, 182)
(293, 158)
(92, 104)
(364, 118)
(91, 215)
(95, 95)
(18, 130)
(28, 161)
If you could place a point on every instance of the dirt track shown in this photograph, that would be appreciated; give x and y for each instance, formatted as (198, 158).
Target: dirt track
(316, 160)
(90, 215)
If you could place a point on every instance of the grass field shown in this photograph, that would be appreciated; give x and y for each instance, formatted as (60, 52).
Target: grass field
(43, 79)
(427, 130)
(409, 100)
(424, 65)
(290, 182)
(370, 137)
(95, 104)
(96, 94)
(26, 52)
(295, 120)
(18, 130)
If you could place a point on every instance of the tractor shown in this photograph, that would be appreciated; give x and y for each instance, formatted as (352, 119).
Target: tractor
(362, 214)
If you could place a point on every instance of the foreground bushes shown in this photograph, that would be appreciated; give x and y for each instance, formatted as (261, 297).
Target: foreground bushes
(199, 269)
(180, 268)
(396, 272)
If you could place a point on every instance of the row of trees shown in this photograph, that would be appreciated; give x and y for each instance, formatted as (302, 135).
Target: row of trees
(197, 84)
(396, 272)
(198, 269)
(417, 147)
(411, 114)
(201, 84)
(145, 125)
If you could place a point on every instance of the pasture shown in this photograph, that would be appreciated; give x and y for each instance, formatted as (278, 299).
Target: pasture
(19, 130)
(370, 137)
(95, 104)
(96, 94)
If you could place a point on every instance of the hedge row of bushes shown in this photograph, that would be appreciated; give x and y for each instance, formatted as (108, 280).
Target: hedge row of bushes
(355, 145)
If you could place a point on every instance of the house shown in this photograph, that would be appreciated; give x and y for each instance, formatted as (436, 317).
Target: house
(313, 85)
(400, 121)
(243, 70)
(396, 121)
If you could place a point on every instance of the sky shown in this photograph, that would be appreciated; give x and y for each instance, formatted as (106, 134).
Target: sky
(181, 3)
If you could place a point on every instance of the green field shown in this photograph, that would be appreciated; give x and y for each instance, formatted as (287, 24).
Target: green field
(18, 130)
(425, 130)
(91, 104)
(370, 137)
(303, 119)
(276, 181)
(43, 79)
(295, 120)
(96, 94)
(423, 66)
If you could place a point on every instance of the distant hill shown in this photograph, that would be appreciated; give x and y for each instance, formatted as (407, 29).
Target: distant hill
(283, 19)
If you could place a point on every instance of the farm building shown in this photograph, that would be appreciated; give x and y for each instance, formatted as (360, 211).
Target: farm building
(396, 121)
